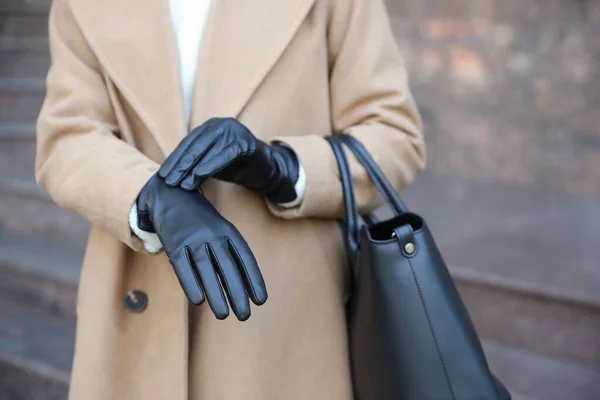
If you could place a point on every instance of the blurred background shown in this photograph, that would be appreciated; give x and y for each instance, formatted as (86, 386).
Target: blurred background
(510, 95)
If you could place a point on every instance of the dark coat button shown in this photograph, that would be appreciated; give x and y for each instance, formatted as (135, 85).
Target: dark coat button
(136, 301)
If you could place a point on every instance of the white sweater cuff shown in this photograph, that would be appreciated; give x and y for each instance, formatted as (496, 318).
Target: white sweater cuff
(150, 240)
(300, 188)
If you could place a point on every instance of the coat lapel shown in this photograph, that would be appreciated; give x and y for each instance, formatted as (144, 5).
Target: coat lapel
(240, 44)
(135, 43)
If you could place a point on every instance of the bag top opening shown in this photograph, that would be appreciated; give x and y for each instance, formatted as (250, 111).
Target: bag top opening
(384, 230)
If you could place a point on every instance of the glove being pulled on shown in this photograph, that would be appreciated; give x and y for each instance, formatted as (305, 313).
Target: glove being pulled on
(225, 149)
(210, 257)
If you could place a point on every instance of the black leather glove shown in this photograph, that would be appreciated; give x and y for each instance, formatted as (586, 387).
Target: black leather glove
(208, 253)
(225, 149)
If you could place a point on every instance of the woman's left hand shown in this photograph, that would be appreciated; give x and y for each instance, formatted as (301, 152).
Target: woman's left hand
(225, 149)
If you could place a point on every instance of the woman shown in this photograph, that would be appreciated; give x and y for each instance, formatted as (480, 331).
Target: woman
(129, 79)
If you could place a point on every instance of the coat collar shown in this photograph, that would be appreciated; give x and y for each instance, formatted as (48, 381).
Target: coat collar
(134, 41)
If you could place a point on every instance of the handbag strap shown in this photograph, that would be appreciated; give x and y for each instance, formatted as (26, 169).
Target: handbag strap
(350, 224)
(375, 173)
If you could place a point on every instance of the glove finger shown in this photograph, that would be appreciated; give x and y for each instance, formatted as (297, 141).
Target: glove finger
(186, 145)
(209, 165)
(255, 283)
(205, 145)
(189, 281)
(181, 149)
(231, 279)
(210, 282)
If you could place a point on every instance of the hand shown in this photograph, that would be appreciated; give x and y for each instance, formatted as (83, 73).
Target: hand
(205, 250)
(225, 149)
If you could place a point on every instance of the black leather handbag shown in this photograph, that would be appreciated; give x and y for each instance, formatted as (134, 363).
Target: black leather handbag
(410, 335)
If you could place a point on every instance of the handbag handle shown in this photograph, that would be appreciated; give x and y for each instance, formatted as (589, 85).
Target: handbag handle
(375, 173)
(351, 228)
(351, 225)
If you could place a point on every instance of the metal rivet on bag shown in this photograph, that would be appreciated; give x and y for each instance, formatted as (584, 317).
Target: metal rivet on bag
(409, 248)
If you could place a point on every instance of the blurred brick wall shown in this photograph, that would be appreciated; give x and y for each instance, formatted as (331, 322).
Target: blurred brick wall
(509, 89)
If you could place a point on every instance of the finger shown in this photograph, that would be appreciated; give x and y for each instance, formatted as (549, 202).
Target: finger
(209, 165)
(255, 283)
(189, 281)
(205, 145)
(231, 279)
(210, 282)
(182, 148)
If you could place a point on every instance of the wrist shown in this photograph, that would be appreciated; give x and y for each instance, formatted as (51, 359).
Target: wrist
(140, 228)
(140, 221)
(299, 188)
(286, 172)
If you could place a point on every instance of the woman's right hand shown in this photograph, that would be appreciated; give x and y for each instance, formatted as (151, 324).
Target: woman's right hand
(207, 252)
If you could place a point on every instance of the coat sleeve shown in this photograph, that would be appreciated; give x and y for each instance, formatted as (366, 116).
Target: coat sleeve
(80, 160)
(370, 99)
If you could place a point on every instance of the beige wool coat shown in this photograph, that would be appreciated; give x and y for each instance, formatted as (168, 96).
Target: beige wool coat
(293, 70)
